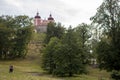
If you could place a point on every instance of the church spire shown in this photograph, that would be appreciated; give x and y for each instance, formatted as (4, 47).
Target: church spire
(37, 13)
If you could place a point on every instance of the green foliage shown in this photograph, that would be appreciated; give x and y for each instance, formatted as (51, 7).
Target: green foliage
(64, 57)
(108, 18)
(108, 56)
(54, 30)
(6, 41)
(8, 21)
(15, 35)
(108, 14)
(23, 37)
(115, 75)
(102, 51)
(71, 57)
(49, 53)
(23, 21)
(83, 34)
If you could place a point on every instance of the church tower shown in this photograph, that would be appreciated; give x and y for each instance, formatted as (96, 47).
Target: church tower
(37, 20)
(50, 18)
(40, 24)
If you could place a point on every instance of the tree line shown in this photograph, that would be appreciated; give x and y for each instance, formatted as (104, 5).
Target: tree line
(15, 34)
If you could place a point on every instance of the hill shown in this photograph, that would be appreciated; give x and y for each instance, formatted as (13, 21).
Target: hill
(30, 68)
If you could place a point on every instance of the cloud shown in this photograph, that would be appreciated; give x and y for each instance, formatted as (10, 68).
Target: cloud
(13, 2)
(68, 12)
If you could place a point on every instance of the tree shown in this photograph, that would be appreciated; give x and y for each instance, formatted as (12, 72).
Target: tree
(59, 30)
(22, 39)
(54, 30)
(83, 34)
(108, 19)
(6, 41)
(64, 57)
(71, 55)
(23, 21)
(8, 21)
(15, 34)
(48, 61)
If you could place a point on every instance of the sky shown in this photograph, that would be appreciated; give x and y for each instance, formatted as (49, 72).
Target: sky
(67, 12)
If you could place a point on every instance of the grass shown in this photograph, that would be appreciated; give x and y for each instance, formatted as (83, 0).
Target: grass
(29, 69)
(23, 70)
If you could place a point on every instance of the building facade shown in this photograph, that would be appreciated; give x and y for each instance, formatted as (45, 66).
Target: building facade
(41, 24)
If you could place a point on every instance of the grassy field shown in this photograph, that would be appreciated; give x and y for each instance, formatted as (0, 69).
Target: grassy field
(29, 69)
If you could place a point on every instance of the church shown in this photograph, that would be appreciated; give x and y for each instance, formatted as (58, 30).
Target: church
(41, 24)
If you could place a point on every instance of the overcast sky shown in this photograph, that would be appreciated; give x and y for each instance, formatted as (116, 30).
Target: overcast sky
(68, 12)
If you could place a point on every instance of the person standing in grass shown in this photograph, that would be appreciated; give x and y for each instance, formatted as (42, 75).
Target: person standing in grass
(11, 69)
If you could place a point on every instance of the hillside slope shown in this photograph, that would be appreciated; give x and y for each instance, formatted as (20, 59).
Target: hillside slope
(30, 68)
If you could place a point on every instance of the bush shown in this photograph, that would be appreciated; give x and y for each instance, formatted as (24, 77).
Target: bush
(115, 75)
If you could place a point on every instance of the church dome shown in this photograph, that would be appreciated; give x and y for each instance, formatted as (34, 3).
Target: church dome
(37, 15)
(50, 17)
